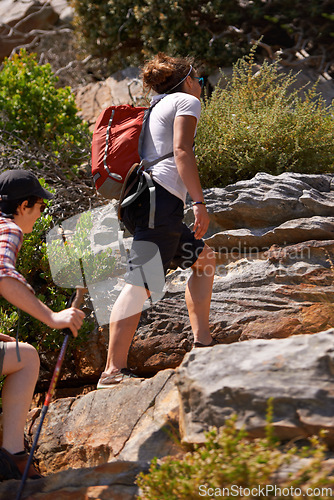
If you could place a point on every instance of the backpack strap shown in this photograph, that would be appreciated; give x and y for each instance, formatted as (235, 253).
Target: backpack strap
(132, 197)
(148, 164)
(142, 186)
(145, 179)
(151, 188)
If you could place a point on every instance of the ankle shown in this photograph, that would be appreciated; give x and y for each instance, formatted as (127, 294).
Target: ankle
(203, 338)
(112, 370)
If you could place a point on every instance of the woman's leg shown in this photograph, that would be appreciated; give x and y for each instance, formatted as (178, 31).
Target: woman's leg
(124, 320)
(198, 295)
(17, 393)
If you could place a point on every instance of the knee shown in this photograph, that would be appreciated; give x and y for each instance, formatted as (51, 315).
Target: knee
(210, 256)
(206, 262)
(29, 355)
(210, 261)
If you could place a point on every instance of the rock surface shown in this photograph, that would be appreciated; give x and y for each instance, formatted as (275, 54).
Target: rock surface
(109, 481)
(26, 17)
(101, 441)
(296, 373)
(275, 252)
(123, 87)
(126, 421)
(274, 242)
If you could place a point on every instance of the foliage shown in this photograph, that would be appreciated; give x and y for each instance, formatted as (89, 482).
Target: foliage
(215, 34)
(257, 123)
(33, 264)
(73, 258)
(34, 110)
(127, 32)
(230, 465)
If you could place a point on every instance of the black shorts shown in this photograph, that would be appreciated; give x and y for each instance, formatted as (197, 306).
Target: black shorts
(170, 238)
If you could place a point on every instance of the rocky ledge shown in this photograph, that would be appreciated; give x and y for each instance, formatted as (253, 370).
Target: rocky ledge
(274, 241)
(94, 446)
(272, 312)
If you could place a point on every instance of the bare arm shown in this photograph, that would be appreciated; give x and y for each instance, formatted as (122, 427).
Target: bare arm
(184, 131)
(20, 296)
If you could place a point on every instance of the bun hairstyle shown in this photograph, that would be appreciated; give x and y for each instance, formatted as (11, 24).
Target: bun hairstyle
(165, 74)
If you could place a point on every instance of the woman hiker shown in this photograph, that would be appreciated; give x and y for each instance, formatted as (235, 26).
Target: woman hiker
(171, 128)
(21, 204)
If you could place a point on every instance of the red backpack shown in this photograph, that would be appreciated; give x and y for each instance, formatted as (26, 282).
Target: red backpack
(116, 145)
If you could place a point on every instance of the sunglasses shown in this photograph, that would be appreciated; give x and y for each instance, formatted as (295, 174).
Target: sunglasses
(200, 80)
(42, 205)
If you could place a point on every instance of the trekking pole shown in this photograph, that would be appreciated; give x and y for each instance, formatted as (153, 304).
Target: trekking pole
(75, 301)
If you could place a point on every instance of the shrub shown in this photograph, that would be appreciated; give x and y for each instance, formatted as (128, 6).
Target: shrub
(127, 32)
(34, 110)
(230, 465)
(257, 123)
(215, 33)
(75, 258)
(33, 264)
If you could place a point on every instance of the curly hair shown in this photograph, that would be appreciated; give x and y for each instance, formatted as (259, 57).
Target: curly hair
(165, 74)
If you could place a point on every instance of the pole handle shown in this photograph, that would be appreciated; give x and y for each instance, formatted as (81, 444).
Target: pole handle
(75, 301)
(79, 296)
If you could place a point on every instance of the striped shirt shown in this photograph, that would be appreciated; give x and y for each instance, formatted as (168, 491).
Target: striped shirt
(11, 238)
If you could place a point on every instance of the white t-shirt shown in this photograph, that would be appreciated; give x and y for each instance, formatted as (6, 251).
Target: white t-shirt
(158, 139)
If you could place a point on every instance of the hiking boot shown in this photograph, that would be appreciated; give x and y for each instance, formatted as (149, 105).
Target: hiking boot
(212, 343)
(108, 381)
(8, 468)
(13, 466)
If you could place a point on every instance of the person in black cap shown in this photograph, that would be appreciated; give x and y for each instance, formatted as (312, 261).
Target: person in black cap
(21, 204)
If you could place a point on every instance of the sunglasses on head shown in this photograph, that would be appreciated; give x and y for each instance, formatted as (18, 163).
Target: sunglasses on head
(200, 80)
(42, 204)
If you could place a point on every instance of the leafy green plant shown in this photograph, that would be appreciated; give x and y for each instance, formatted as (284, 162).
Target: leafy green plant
(33, 264)
(33, 109)
(72, 258)
(215, 33)
(126, 32)
(231, 465)
(257, 123)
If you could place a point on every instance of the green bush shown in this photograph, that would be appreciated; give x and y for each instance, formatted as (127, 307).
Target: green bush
(230, 465)
(75, 258)
(34, 110)
(33, 264)
(216, 33)
(258, 124)
(127, 32)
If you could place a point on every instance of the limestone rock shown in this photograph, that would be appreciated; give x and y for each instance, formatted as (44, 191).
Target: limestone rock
(109, 481)
(266, 201)
(296, 373)
(284, 291)
(273, 237)
(126, 421)
(290, 232)
(91, 99)
(25, 17)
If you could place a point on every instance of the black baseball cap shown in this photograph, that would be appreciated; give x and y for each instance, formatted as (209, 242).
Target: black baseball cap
(16, 184)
